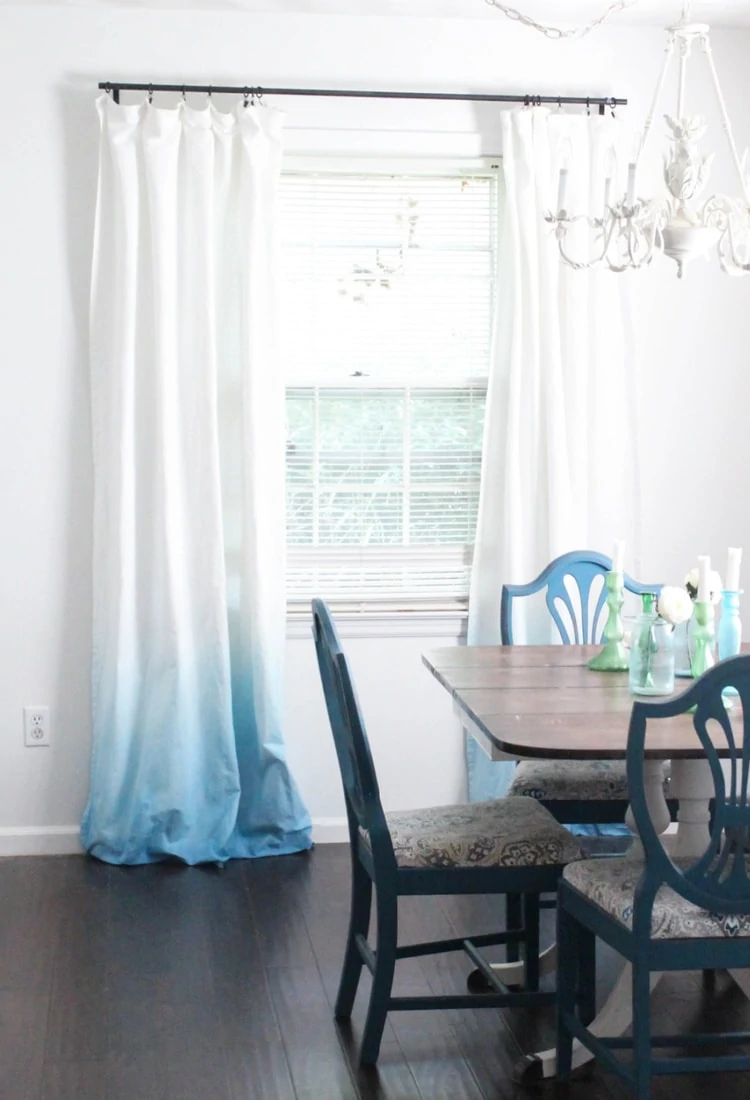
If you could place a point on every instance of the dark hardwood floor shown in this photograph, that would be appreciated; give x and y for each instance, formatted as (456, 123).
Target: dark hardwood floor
(172, 983)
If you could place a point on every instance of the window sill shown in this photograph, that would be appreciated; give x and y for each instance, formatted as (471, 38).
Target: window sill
(386, 624)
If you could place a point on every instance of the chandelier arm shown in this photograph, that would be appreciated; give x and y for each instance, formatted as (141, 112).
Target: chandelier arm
(725, 117)
(733, 249)
(668, 51)
(577, 264)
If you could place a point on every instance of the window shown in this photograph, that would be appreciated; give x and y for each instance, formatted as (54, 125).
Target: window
(388, 290)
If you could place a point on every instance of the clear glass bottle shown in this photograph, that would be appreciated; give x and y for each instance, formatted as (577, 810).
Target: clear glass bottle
(651, 652)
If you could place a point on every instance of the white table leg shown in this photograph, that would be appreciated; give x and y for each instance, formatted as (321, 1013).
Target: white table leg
(693, 785)
(616, 1014)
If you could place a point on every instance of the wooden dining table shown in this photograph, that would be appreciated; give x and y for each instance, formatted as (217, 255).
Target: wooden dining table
(543, 702)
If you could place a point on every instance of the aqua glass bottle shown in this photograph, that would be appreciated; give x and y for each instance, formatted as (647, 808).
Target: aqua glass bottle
(729, 634)
(651, 652)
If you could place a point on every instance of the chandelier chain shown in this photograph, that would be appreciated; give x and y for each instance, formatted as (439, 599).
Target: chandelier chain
(558, 32)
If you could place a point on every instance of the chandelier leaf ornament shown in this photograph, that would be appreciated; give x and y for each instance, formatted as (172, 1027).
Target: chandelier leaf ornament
(680, 222)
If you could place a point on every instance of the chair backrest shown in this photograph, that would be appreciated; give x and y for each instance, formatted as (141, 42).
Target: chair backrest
(570, 594)
(361, 791)
(718, 879)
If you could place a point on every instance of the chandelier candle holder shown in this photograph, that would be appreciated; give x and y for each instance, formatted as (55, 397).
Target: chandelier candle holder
(613, 656)
(628, 232)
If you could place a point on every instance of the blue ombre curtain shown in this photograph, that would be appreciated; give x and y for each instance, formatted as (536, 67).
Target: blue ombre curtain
(562, 360)
(188, 409)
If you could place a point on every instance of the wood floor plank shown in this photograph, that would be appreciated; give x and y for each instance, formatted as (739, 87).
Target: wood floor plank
(135, 1077)
(318, 1064)
(75, 1081)
(160, 980)
(257, 1069)
(33, 892)
(23, 1026)
(276, 889)
(78, 1025)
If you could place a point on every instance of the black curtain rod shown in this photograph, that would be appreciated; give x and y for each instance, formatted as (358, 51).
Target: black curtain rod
(602, 102)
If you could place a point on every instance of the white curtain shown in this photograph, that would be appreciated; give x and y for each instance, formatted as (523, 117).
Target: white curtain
(187, 408)
(560, 449)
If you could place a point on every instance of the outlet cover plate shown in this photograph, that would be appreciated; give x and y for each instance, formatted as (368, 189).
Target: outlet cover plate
(36, 727)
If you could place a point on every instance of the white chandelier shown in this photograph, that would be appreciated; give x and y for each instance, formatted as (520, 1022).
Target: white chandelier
(679, 222)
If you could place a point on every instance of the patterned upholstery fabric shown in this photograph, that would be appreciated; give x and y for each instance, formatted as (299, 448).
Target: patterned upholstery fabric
(507, 832)
(573, 780)
(611, 883)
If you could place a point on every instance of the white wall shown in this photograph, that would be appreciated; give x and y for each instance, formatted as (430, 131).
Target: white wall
(695, 449)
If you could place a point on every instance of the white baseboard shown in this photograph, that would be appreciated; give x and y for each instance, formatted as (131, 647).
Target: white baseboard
(65, 840)
(330, 830)
(40, 840)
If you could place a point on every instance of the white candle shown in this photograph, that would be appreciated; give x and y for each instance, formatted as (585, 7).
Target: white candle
(630, 200)
(732, 579)
(618, 556)
(562, 189)
(607, 193)
(704, 568)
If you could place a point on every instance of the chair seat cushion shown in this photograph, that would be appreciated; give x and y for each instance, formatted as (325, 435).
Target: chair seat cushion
(506, 832)
(611, 883)
(573, 780)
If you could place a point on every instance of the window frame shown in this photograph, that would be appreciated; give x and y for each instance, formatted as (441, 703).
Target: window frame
(416, 616)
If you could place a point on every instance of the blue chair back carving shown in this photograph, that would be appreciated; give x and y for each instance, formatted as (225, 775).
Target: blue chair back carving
(718, 880)
(585, 622)
(361, 791)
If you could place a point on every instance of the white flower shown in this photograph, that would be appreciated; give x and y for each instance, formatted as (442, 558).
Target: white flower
(714, 584)
(674, 605)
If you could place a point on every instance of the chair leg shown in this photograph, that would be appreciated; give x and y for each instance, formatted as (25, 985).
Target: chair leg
(641, 1030)
(531, 940)
(567, 991)
(513, 922)
(586, 953)
(387, 909)
(359, 923)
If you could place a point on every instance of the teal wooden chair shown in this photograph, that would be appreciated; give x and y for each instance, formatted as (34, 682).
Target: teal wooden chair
(576, 792)
(512, 846)
(662, 914)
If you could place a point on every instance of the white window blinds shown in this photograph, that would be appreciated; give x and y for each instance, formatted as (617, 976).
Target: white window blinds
(388, 290)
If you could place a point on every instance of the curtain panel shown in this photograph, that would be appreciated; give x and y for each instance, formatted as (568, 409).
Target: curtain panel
(559, 468)
(188, 438)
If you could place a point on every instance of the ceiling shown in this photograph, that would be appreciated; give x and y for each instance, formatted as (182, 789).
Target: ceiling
(560, 12)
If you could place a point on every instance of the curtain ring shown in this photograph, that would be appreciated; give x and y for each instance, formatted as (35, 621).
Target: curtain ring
(210, 90)
(527, 101)
(245, 96)
(588, 106)
(612, 105)
(559, 104)
(151, 93)
(259, 97)
(184, 100)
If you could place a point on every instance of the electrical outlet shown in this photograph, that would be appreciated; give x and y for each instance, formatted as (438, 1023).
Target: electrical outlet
(35, 726)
